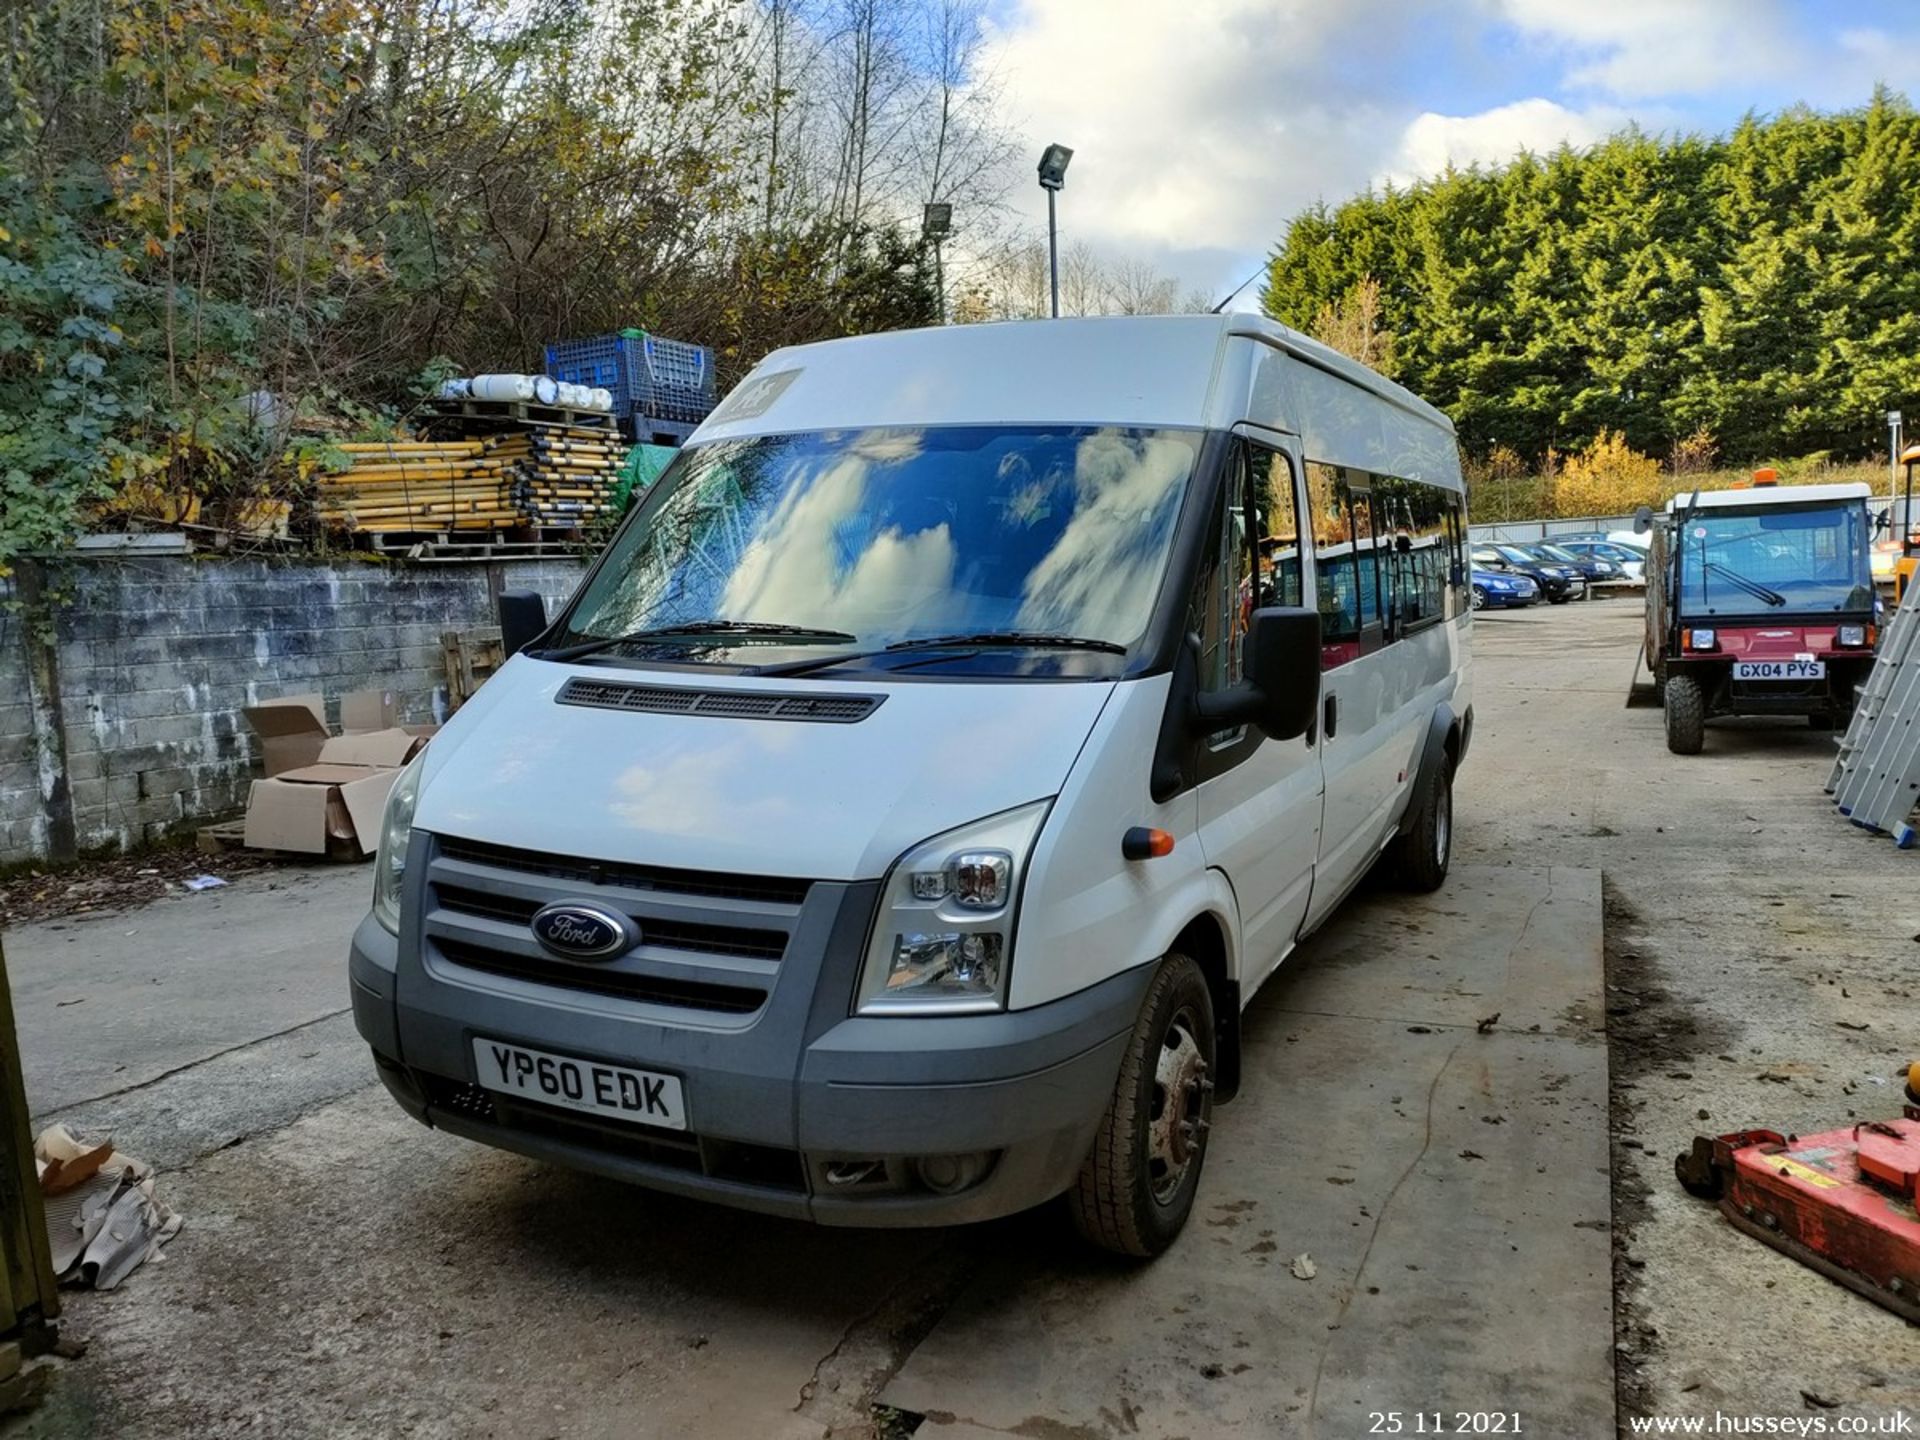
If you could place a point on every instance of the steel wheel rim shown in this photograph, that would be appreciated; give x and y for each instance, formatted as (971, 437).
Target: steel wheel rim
(1177, 1123)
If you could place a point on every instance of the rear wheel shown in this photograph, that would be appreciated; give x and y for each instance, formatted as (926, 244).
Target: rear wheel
(1686, 714)
(1136, 1188)
(1424, 848)
(1479, 598)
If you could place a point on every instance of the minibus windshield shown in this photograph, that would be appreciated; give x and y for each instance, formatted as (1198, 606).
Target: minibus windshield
(867, 538)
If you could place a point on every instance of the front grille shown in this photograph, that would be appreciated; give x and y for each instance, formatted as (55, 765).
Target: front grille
(628, 984)
(828, 709)
(768, 888)
(666, 934)
(763, 1165)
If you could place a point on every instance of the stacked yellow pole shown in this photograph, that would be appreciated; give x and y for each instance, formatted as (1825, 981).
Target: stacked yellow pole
(419, 485)
(564, 475)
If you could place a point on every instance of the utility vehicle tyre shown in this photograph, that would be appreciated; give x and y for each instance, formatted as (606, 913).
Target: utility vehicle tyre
(1479, 598)
(1686, 714)
(1137, 1185)
(1424, 848)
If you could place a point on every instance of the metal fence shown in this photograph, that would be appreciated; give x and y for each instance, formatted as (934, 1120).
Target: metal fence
(1525, 532)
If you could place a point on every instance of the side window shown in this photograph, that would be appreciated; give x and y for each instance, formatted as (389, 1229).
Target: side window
(1276, 530)
(1254, 560)
(1418, 540)
(1346, 564)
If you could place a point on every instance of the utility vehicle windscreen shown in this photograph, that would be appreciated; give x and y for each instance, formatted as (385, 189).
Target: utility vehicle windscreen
(1777, 561)
(1016, 539)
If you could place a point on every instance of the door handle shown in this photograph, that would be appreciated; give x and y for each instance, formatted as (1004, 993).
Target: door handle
(1330, 721)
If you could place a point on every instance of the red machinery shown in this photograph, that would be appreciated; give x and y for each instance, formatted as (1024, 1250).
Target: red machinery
(1842, 1201)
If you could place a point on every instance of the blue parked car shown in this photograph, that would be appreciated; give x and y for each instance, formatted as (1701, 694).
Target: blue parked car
(1499, 588)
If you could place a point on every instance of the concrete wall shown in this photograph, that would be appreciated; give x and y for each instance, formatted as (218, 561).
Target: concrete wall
(151, 660)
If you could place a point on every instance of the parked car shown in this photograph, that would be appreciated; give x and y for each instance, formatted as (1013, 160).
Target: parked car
(1632, 563)
(1497, 589)
(1559, 583)
(894, 823)
(1628, 540)
(1598, 569)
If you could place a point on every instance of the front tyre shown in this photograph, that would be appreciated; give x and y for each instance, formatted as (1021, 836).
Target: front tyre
(1136, 1188)
(1479, 598)
(1685, 707)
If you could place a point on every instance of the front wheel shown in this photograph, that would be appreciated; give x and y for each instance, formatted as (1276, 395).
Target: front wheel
(1479, 598)
(1136, 1188)
(1685, 706)
(1559, 599)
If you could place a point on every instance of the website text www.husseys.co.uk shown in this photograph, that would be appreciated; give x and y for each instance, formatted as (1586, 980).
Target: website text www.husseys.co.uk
(1721, 1423)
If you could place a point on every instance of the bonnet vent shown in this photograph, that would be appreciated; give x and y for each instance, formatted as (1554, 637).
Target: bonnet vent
(840, 709)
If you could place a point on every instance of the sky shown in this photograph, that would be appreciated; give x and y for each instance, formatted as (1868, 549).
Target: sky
(1200, 126)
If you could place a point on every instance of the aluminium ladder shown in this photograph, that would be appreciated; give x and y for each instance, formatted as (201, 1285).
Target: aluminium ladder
(1876, 775)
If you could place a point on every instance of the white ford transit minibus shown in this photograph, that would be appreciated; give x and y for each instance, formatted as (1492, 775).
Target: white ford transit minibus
(892, 827)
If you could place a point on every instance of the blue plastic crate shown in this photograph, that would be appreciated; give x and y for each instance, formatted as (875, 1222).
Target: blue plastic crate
(648, 375)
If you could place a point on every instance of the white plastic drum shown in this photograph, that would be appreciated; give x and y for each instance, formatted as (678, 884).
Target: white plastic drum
(502, 387)
(546, 389)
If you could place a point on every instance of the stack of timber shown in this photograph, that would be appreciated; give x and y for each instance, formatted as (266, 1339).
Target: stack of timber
(419, 485)
(563, 476)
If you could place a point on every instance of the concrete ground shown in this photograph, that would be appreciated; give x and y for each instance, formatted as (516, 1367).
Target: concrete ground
(344, 1271)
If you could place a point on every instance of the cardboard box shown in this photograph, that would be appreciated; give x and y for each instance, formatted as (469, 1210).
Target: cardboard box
(315, 807)
(291, 730)
(392, 747)
(367, 710)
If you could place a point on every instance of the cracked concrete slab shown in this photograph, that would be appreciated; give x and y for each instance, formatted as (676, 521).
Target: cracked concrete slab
(1450, 1186)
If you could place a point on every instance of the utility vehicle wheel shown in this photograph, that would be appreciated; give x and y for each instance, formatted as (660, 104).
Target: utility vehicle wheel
(1136, 1188)
(1424, 847)
(1686, 714)
(1479, 598)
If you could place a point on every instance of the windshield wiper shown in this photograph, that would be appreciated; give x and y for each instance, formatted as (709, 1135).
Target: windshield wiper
(1752, 587)
(982, 640)
(702, 630)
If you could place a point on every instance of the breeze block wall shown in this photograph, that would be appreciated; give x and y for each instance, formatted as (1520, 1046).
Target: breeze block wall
(122, 680)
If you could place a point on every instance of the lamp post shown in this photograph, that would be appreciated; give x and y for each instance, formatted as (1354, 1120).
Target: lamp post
(1893, 448)
(936, 224)
(1053, 176)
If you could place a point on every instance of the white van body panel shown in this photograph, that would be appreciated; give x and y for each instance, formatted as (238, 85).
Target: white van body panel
(1386, 701)
(1087, 911)
(757, 797)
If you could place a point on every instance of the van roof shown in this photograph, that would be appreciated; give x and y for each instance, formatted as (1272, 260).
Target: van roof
(1136, 370)
(1759, 496)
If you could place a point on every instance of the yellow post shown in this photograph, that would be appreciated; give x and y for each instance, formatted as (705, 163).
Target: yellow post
(28, 1297)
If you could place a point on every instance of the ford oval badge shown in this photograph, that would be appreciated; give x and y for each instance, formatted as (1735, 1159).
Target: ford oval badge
(576, 930)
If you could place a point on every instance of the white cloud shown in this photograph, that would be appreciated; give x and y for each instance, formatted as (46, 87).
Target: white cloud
(1196, 126)
(1636, 49)
(1432, 141)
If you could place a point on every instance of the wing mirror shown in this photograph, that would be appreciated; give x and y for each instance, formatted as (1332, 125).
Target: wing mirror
(1643, 520)
(523, 616)
(1281, 663)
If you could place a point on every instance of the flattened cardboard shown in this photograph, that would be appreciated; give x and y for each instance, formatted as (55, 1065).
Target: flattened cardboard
(290, 729)
(374, 747)
(366, 802)
(285, 816)
(366, 710)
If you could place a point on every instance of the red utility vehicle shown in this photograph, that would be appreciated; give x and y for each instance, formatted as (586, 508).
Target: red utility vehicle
(1760, 601)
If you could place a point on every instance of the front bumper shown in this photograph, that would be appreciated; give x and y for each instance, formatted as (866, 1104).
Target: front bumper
(828, 1128)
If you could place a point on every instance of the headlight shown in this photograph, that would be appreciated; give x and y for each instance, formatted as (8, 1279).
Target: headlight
(943, 940)
(1852, 635)
(396, 833)
(1702, 639)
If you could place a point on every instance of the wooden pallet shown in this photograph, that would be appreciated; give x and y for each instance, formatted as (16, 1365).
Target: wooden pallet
(526, 412)
(468, 658)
